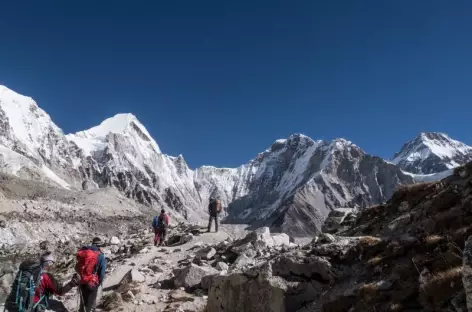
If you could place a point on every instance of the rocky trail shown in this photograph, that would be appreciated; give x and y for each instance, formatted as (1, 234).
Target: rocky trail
(411, 253)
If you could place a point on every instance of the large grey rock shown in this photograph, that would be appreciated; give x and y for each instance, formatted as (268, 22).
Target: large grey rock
(221, 266)
(242, 261)
(114, 241)
(313, 267)
(133, 276)
(192, 275)
(206, 253)
(336, 218)
(281, 239)
(239, 293)
(3, 222)
(467, 272)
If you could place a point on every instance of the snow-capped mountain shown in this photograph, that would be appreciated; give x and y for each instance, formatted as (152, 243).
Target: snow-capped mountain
(291, 186)
(432, 152)
(294, 184)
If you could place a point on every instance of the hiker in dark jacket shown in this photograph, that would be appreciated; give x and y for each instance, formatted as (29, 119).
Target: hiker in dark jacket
(214, 208)
(32, 271)
(91, 279)
(160, 225)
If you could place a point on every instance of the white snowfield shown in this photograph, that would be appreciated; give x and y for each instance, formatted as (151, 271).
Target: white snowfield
(293, 184)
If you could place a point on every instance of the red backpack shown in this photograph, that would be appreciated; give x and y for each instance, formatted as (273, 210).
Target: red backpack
(86, 266)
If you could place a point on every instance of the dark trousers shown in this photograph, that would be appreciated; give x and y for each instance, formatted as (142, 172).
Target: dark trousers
(213, 217)
(88, 298)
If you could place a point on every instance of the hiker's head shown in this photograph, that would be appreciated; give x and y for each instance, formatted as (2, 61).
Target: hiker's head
(163, 211)
(97, 242)
(47, 260)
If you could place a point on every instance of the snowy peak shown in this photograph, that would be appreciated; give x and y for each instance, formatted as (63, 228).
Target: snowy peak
(128, 125)
(23, 122)
(432, 152)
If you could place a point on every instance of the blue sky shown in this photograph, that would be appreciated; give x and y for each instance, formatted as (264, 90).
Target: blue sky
(219, 81)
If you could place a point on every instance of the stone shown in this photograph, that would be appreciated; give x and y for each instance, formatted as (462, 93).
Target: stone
(467, 272)
(221, 266)
(144, 250)
(186, 238)
(308, 267)
(114, 241)
(3, 222)
(128, 296)
(326, 238)
(238, 293)
(112, 302)
(133, 276)
(44, 245)
(156, 268)
(206, 253)
(263, 230)
(192, 275)
(281, 239)
(149, 299)
(242, 261)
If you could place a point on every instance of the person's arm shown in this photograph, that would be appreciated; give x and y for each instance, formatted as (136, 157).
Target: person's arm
(102, 268)
(167, 220)
(52, 286)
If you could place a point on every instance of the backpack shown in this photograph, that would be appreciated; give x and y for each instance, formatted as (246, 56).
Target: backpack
(23, 288)
(87, 260)
(218, 205)
(155, 222)
(161, 222)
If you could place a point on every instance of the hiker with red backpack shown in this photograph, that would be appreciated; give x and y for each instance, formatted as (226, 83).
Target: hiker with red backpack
(160, 224)
(91, 266)
(34, 285)
(214, 208)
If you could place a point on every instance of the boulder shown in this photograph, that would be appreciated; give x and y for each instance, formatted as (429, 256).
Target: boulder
(281, 239)
(239, 293)
(326, 238)
(114, 241)
(206, 253)
(133, 276)
(192, 275)
(242, 261)
(221, 266)
(112, 302)
(128, 296)
(3, 222)
(313, 267)
(185, 238)
(467, 272)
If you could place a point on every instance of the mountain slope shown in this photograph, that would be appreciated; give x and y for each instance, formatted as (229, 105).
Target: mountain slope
(432, 152)
(298, 181)
(291, 186)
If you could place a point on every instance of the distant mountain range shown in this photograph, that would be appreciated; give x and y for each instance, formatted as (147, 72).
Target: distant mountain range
(291, 186)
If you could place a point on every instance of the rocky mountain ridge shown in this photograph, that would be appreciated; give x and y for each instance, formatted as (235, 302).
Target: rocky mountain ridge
(291, 186)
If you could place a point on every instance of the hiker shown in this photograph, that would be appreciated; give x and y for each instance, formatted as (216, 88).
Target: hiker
(34, 285)
(91, 266)
(160, 225)
(214, 208)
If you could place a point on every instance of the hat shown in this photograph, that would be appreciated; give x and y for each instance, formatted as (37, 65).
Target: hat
(97, 241)
(47, 257)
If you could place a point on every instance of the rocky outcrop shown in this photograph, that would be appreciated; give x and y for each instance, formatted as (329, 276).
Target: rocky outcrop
(408, 254)
(192, 275)
(467, 272)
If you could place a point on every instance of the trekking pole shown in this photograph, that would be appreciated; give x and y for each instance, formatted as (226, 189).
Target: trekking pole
(81, 297)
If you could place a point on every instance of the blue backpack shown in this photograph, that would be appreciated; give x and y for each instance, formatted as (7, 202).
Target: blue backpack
(158, 222)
